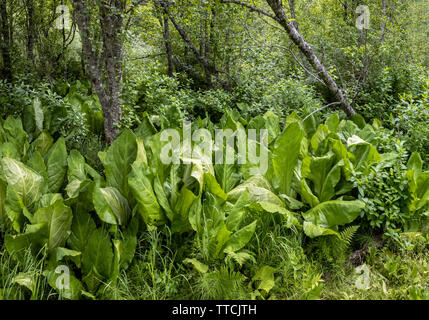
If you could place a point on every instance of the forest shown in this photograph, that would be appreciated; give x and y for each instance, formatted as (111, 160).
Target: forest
(214, 150)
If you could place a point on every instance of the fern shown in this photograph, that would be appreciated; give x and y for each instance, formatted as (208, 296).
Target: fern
(221, 284)
(347, 235)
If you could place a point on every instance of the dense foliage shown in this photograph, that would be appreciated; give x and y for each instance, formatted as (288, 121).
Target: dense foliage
(89, 210)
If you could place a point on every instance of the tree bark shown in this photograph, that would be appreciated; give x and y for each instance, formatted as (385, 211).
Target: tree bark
(383, 25)
(208, 67)
(5, 43)
(109, 93)
(167, 42)
(30, 31)
(280, 16)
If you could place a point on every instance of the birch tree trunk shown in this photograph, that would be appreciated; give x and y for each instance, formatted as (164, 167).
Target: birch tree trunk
(288, 25)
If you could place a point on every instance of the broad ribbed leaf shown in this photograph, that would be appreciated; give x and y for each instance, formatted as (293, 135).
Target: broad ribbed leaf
(266, 277)
(162, 198)
(184, 202)
(58, 219)
(81, 229)
(15, 134)
(199, 266)
(43, 143)
(97, 256)
(272, 122)
(273, 208)
(33, 118)
(259, 189)
(307, 195)
(37, 163)
(57, 166)
(321, 134)
(328, 186)
(227, 176)
(334, 213)
(313, 231)
(236, 213)
(141, 187)
(318, 171)
(240, 238)
(35, 237)
(72, 292)
(24, 187)
(285, 156)
(76, 166)
(118, 160)
(212, 186)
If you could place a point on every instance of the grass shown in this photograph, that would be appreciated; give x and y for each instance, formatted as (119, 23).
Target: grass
(21, 276)
(316, 272)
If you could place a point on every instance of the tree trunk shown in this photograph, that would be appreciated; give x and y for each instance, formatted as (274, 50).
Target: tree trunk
(383, 25)
(5, 43)
(308, 52)
(208, 67)
(111, 21)
(280, 16)
(167, 42)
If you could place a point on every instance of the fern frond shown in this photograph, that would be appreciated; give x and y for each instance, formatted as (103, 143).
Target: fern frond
(348, 233)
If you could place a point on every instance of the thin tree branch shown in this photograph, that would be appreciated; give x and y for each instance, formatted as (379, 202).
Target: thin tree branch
(322, 108)
(253, 8)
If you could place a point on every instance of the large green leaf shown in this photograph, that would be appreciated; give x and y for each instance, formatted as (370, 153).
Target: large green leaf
(43, 143)
(334, 213)
(72, 291)
(273, 208)
(272, 122)
(259, 189)
(15, 134)
(76, 174)
(313, 231)
(162, 198)
(240, 238)
(307, 195)
(37, 163)
(285, 156)
(212, 186)
(81, 229)
(319, 136)
(118, 160)
(33, 118)
(266, 277)
(414, 167)
(35, 237)
(422, 192)
(58, 219)
(364, 152)
(57, 166)
(97, 256)
(126, 246)
(141, 187)
(111, 206)
(317, 172)
(184, 202)
(24, 187)
(76, 166)
(236, 213)
(227, 176)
